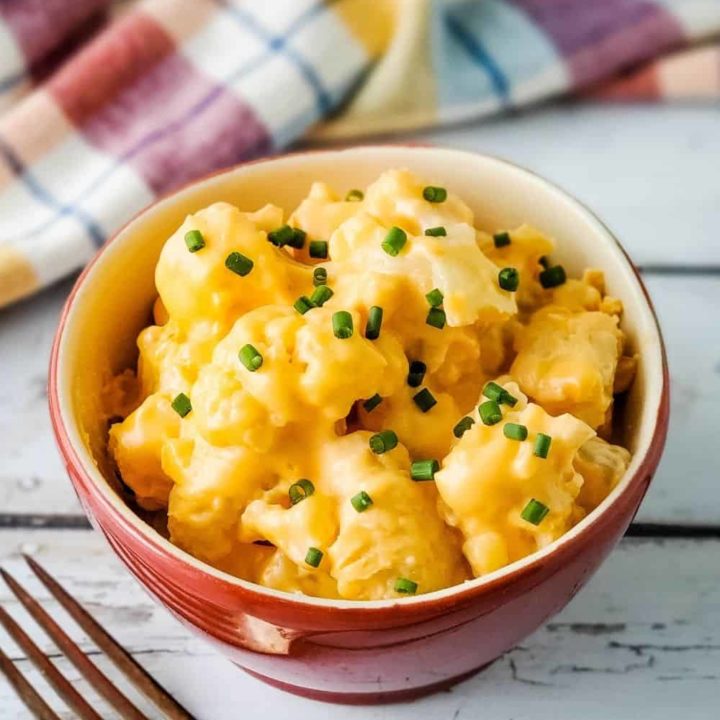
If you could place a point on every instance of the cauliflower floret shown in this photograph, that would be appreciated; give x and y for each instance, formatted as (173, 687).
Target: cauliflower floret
(136, 445)
(487, 480)
(566, 362)
(601, 465)
(197, 285)
(365, 552)
(306, 372)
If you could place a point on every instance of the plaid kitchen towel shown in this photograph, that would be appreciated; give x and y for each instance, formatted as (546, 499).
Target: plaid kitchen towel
(101, 111)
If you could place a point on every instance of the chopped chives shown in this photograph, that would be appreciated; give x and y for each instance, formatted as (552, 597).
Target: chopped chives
(514, 431)
(435, 194)
(314, 557)
(250, 357)
(321, 294)
(297, 240)
(303, 304)
(181, 404)
(318, 249)
(238, 263)
(436, 318)
(405, 586)
(553, 276)
(383, 441)
(342, 324)
(300, 490)
(371, 403)
(416, 373)
(194, 240)
(422, 470)
(501, 239)
(374, 323)
(394, 241)
(282, 236)
(355, 196)
(498, 393)
(361, 502)
(534, 512)
(434, 297)
(319, 276)
(438, 231)
(490, 412)
(509, 279)
(542, 445)
(424, 400)
(463, 426)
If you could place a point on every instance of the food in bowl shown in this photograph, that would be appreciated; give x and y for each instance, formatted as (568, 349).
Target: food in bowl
(371, 398)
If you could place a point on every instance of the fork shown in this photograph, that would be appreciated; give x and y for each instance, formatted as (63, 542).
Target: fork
(123, 660)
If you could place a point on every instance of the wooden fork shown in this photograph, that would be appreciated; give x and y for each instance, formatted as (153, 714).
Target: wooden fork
(171, 709)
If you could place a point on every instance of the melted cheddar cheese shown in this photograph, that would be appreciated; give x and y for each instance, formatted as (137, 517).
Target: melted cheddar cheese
(225, 463)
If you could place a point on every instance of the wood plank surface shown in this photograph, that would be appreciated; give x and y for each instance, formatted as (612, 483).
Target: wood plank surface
(642, 641)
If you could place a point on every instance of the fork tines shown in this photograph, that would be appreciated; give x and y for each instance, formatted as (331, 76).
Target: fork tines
(123, 660)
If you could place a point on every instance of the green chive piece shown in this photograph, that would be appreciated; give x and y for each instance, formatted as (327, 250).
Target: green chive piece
(371, 403)
(509, 279)
(424, 400)
(490, 412)
(501, 239)
(250, 357)
(361, 502)
(383, 441)
(434, 297)
(321, 294)
(342, 324)
(374, 323)
(238, 263)
(314, 557)
(463, 426)
(422, 470)
(436, 318)
(438, 231)
(544, 261)
(405, 586)
(181, 404)
(297, 240)
(318, 249)
(194, 240)
(534, 512)
(319, 276)
(513, 431)
(542, 445)
(435, 194)
(553, 276)
(303, 304)
(282, 236)
(416, 373)
(300, 490)
(493, 391)
(355, 195)
(498, 393)
(394, 241)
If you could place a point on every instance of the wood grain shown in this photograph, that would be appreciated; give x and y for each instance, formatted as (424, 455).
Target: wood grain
(641, 641)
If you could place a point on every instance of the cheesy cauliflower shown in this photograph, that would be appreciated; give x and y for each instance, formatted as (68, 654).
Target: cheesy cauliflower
(371, 398)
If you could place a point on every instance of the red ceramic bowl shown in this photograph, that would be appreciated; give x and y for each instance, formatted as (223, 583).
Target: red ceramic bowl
(330, 649)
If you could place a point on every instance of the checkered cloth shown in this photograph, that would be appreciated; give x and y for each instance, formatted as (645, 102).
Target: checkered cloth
(100, 112)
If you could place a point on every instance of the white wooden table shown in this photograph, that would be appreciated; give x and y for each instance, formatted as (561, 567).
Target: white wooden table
(643, 640)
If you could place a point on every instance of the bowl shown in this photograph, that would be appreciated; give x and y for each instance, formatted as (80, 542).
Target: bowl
(347, 651)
